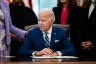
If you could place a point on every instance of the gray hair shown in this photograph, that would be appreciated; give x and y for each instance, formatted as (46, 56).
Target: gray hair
(51, 13)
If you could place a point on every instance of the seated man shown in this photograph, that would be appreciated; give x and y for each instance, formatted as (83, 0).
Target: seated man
(46, 39)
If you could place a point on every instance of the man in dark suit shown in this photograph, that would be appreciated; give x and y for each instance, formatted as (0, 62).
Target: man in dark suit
(87, 29)
(54, 43)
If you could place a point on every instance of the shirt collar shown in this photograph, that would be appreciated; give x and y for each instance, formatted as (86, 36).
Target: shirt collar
(49, 32)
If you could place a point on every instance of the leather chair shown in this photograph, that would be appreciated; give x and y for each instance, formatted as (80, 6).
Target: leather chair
(65, 27)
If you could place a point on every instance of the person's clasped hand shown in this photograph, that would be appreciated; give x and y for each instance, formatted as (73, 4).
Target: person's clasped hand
(87, 45)
(45, 51)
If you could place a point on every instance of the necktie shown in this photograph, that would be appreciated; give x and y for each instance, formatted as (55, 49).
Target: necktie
(47, 40)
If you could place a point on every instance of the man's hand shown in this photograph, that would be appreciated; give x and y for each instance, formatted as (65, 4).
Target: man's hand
(45, 51)
(87, 45)
(55, 54)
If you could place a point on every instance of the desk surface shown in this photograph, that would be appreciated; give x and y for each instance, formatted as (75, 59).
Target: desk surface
(47, 62)
(29, 60)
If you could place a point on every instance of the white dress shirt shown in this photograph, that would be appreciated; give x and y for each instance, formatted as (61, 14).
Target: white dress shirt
(91, 9)
(49, 34)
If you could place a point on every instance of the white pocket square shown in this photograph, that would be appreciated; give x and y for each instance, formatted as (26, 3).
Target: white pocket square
(56, 40)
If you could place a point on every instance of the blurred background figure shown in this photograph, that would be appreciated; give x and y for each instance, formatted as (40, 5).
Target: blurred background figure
(87, 30)
(67, 12)
(21, 16)
(6, 28)
(85, 3)
(38, 5)
(79, 2)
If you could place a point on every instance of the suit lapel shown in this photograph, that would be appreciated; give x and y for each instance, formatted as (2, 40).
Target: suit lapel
(58, 12)
(53, 36)
(40, 36)
(69, 15)
(70, 11)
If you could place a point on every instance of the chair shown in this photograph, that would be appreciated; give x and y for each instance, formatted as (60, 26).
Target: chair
(65, 27)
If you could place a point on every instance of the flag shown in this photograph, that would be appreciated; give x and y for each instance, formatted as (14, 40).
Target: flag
(27, 3)
(9, 1)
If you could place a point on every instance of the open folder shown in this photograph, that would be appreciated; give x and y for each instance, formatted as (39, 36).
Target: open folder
(53, 56)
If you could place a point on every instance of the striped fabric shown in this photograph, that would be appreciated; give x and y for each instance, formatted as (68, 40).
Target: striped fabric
(47, 43)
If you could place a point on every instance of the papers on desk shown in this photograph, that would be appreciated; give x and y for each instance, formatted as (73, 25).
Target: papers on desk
(9, 56)
(53, 57)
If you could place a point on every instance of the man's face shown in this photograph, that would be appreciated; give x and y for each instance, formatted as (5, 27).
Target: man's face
(94, 1)
(44, 22)
(17, 1)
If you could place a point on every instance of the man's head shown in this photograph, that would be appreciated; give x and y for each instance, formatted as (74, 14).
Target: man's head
(94, 1)
(45, 19)
(64, 1)
(17, 2)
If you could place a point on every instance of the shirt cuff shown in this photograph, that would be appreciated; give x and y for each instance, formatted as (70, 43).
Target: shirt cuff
(33, 54)
(60, 54)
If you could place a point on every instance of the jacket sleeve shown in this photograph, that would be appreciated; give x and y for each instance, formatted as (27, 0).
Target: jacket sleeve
(68, 48)
(26, 48)
(16, 31)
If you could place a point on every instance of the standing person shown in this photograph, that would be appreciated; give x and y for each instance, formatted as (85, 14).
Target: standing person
(5, 28)
(87, 31)
(79, 3)
(52, 41)
(21, 16)
(67, 12)
(85, 3)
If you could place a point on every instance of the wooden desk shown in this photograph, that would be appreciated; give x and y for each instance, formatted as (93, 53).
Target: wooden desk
(29, 60)
(47, 62)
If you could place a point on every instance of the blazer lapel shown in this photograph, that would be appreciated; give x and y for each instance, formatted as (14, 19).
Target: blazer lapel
(40, 37)
(59, 13)
(53, 36)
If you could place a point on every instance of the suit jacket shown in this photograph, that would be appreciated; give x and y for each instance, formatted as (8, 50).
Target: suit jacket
(8, 25)
(87, 31)
(35, 42)
(72, 20)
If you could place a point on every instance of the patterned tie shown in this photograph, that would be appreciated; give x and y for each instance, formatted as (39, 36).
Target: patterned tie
(47, 40)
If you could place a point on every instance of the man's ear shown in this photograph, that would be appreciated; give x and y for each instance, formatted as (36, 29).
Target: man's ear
(53, 20)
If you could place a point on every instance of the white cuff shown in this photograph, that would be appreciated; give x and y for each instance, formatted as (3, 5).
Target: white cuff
(60, 54)
(33, 54)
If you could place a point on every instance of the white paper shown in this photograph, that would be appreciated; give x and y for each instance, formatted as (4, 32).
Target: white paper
(9, 56)
(54, 57)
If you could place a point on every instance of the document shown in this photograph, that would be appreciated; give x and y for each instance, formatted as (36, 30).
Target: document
(9, 56)
(53, 57)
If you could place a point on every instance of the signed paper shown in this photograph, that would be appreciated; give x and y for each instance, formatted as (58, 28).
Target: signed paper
(54, 57)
